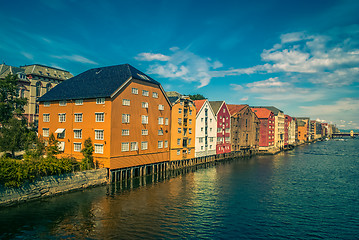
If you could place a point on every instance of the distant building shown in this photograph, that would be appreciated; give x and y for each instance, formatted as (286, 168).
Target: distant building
(125, 112)
(183, 127)
(290, 126)
(223, 117)
(266, 131)
(245, 127)
(303, 129)
(206, 129)
(34, 81)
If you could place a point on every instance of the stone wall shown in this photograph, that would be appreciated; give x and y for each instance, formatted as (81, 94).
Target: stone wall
(52, 185)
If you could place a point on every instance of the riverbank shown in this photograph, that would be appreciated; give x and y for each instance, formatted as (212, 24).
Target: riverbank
(53, 185)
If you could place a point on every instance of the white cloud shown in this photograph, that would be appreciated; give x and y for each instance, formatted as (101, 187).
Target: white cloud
(76, 58)
(182, 64)
(271, 82)
(28, 55)
(152, 57)
(244, 98)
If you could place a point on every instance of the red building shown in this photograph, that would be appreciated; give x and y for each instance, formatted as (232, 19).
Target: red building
(287, 120)
(223, 116)
(267, 125)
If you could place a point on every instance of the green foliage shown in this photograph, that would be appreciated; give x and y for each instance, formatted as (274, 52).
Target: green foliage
(196, 97)
(15, 136)
(10, 104)
(87, 162)
(14, 173)
(52, 148)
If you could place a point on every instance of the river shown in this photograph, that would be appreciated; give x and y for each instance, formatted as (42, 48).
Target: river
(311, 192)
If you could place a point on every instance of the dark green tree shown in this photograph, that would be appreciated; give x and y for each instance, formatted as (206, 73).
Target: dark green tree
(52, 147)
(15, 136)
(10, 103)
(87, 162)
(196, 97)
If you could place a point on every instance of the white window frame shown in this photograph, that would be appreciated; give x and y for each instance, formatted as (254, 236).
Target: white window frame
(97, 117)
(99, 148)
(160, 144)
(126, 102)
(166, 144)
(126, 118)
(77, 133)
(79, 102)
(134, 91)
(100, 100)
(144, 104)
(125, 147)
(144, 119)
(160, 132)
(78, 118)
(166, 121)
(144, 132)
(161, 107)
(47, 104)
(46, 132)
(178, 141)
(99, 134)
(134, 146)
(62, 117)
(46, 117)
(62, 103)
(77, 144)
(125, 132)
(160, 121)
(144, 145)
(154, 95)
(145, 93)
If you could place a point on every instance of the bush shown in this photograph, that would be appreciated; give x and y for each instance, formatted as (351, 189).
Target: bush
(14, 173)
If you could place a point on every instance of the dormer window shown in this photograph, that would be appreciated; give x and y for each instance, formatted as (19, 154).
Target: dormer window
(100, 100)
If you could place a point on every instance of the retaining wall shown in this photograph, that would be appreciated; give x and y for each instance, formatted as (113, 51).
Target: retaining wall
(52, 185)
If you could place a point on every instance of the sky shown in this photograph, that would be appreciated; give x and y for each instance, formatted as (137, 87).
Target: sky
(299, 56)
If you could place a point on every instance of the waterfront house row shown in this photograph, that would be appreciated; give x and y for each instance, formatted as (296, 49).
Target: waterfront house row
(133, 122)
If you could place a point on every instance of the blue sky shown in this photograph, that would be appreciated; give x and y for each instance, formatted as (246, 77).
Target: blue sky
(300, 56)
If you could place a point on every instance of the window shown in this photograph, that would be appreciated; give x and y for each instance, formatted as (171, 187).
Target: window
(210, 146)
(179, 130)
(180, 110)
(201, 147)
(79, 102)
(179, 120)
(228, 130)
(46, 117)
(77, 147)
(134, 90)
(37, 108)
(98, 134)
(210, 120)
(224, 110)
(160, 132)
(126, 102)
(155, 95)
(211, 139)
(45, 132)
(210, 129)
(190, 112)
(190, 121)
(134, 146)
(160, 120)
(145, 93)
(161, 107)
(62, 103)
(46, 104)
(201, 129)
(125, 118)
(189, 141)
(125, 132)
(201, 119)
(178, 152)
(99, 148)
(144, 119)
(160, 144)
(189, 151)
(200, 140)
(125, 147)
(166, 121)
(100, 117)
(100, 100)
(62, 117)
(48, 87)
(61, 146)
(190, 130)
(38, 89)
(166, 144)
(144, 104)
(144, 132)
(227, 139)
(77, 133)
(61, 134)
(78, 117)
(144, 145)
(178, 141)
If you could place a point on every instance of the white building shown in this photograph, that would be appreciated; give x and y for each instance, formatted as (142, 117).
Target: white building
(206, 129)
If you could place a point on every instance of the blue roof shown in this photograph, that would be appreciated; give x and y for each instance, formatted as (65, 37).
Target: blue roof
(95, 83)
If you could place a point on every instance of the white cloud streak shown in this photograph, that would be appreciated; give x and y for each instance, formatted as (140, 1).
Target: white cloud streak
(75, 58)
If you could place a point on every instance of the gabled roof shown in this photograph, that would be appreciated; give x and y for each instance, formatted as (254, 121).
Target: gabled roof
(6, 69)
(216, 105)
(96, 83)
(275, 110)
(262, 112)
(173, 100)
(199, 104)
(234, 108)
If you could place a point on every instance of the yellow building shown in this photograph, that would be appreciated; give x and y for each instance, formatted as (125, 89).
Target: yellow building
(183, 123)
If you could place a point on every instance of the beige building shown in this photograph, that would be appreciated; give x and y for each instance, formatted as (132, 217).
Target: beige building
(34, 80)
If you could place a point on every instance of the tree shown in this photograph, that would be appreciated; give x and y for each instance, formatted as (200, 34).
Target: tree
(10, 104)
(87, 162)
(15, 136)
(196, 97)
(52, 148)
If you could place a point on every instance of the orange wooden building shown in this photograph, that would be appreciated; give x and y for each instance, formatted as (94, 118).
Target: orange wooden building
(125, 112)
